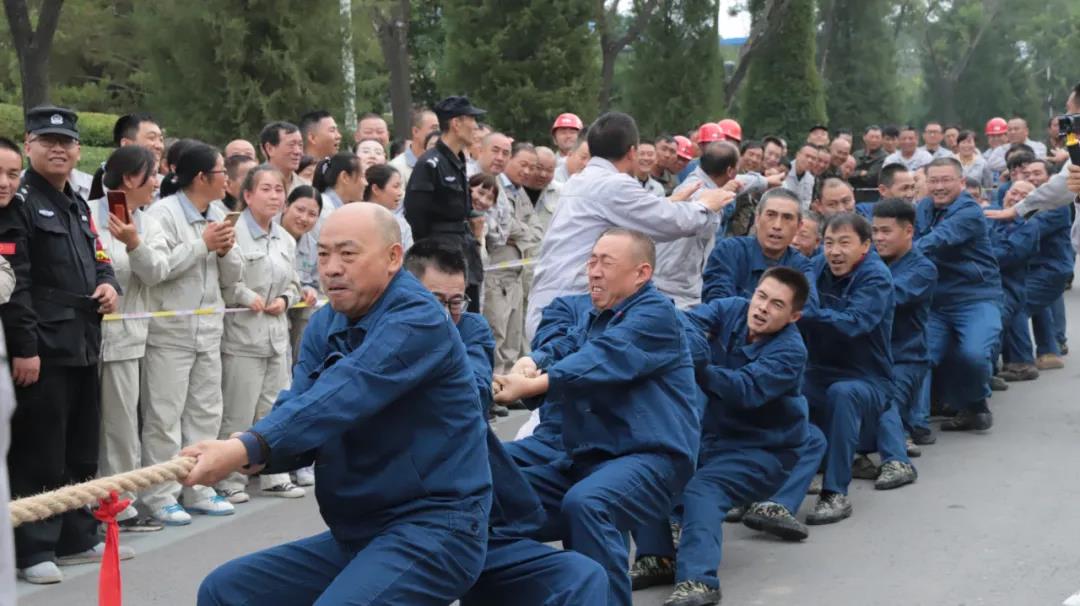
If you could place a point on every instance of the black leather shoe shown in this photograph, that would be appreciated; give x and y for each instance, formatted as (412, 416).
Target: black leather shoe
(969, 421)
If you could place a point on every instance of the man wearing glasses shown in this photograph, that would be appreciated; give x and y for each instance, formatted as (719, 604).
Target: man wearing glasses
(64, 282)
(965, 321)
(440, 267)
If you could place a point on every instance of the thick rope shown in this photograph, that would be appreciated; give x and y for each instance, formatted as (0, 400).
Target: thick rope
(47, 504)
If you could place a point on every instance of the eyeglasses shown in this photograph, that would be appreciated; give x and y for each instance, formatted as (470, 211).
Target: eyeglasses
(455, 304)
(50, 141)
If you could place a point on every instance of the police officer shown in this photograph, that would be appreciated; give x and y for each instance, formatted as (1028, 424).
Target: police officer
(437, 200)
(64, 282)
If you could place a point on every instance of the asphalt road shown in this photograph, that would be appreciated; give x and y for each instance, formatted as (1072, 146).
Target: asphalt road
(991, 521)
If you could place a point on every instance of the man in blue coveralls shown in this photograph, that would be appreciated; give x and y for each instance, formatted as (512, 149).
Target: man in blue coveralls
(1015, 243)
(383, 401)
(750, 360)
(735, 265)
(913, 278)
(516, 570)
(631, 411)
(848, 380)
(965, 316)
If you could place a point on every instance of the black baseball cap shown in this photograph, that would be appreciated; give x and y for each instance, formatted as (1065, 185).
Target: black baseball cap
(49, 119)
(452, 107)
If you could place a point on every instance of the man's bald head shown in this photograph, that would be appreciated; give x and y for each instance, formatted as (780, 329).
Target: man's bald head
(494, 153)
(240, 147)
(359, 253)
(364, 220)
(544, 171)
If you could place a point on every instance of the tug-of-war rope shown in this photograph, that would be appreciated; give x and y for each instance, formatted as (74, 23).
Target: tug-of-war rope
(69, 498)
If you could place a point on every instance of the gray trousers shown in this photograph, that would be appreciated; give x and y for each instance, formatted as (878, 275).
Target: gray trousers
(504, 311)
(250, 386)
(119, 449)
(181, 405)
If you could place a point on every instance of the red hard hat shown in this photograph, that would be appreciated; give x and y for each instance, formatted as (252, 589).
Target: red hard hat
(568, 120)
(997, 126)
(684, 148)
(731, 129)
(709, 132)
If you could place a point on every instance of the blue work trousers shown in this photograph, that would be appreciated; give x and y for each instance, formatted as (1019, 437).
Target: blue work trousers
(590, 506)
(530, 451)
(527, 573)
(908, 381)
(886, 437)
(961, 338)
(414, 562)
(808, 457)
(723, 479)
(840, 407)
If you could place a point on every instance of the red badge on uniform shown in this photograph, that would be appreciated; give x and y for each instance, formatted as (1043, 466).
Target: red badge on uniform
(7, 248)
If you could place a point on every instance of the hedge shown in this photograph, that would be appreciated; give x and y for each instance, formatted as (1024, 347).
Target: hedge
(95, 130)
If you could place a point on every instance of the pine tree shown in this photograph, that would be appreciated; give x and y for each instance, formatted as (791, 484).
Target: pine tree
(860, 65)
(526, 61)
(783, 94)
(673, 67)
(218, 70)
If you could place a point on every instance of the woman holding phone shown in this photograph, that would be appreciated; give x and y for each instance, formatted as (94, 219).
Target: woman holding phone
(139, 253)
(181, 396)
(255, 347)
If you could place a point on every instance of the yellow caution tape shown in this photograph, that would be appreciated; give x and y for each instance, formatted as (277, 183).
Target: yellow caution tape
(511, 264)
(205, 311)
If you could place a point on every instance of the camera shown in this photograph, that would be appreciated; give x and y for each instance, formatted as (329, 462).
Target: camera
(1069, 131)
(1068, 124)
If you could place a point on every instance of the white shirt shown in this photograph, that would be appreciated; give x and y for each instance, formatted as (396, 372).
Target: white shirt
(597, 199)
(917, 160)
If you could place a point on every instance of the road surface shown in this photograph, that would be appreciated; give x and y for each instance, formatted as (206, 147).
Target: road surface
(992, 520)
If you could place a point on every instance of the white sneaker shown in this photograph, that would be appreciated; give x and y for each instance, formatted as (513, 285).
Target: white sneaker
(94, 554)
(42, 573)
(129, 513)
(172, 515)
(216, 505)
(235, 495)
(286, 490)
(305, 476)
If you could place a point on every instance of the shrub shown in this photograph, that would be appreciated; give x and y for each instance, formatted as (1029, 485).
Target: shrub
(95, 130)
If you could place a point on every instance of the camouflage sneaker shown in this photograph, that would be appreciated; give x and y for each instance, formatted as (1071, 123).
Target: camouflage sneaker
(1019, 372)
(815, 485)
(997, 383)
(776, 520)
(649, 571)
(895, 474)
(831, 507)
(735, 514)
(676, 534)
(863, 468)
(693, 593)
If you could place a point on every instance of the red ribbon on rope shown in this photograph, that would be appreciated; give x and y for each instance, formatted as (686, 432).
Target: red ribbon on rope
(110, 587)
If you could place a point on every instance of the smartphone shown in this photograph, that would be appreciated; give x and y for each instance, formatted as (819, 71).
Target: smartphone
(118, 205)
(232, 218)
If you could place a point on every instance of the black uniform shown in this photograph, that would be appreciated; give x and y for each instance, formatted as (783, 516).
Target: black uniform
(866, 187)
(438, 203)
(49, 239)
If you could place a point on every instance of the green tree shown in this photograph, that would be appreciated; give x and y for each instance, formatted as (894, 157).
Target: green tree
(783, 93)
(525, 61)
(673, 68)
(857, 62)
(225, 69)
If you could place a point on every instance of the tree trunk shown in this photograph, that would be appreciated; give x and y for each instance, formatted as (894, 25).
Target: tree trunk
(607, 76)
(762, 29)
(33, 47)
(348, 66)
(393, 33)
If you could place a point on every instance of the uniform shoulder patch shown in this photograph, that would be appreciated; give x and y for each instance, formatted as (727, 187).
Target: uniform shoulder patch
(433, 162)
